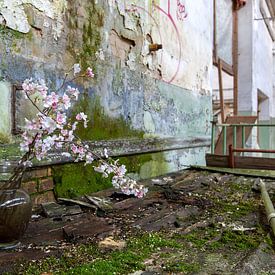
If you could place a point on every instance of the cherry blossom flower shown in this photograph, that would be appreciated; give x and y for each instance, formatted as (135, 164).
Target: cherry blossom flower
(52, 129)
(76, 68)
(49, 124)
(66, 101)
(82, 116)
(89, 72)
(73, 91)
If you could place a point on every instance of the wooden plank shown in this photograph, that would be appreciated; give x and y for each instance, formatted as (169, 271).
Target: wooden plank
(216, 160)
(241, 162)
(227, 68)
(229, 133)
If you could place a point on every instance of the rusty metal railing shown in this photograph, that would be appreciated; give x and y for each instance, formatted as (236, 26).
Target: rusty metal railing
(243, 126)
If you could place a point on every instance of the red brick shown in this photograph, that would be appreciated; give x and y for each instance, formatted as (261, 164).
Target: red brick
(42, 198)
(30, 187)
(40, 173)
(33, 174)
(49, 171)
(45, 184)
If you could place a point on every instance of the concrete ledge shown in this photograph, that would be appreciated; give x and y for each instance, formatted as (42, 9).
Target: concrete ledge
(117, 148)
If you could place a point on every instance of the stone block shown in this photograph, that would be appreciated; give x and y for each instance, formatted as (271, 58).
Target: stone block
(40, 173)
(32, 174)
(43, 198)
(49, 171)
(45, 184)
(30, 186)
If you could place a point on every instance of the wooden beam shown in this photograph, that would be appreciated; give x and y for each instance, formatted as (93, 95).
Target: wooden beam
(235, 61)
(221, 90)
(227, 68)
(241, 162)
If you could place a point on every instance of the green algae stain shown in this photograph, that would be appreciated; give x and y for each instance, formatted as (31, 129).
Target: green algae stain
(90, 35)
(100, 126)
(73, 180)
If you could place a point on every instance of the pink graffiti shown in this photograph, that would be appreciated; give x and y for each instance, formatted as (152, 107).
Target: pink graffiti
(167, 13)
(181, 11)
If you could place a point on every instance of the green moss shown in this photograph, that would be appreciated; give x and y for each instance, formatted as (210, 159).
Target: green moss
(6, 32)
(180, 266)
(4, 139)
(9, 151)
(236, 211)
(91, 34)
(100, 125)
(213, 239)
(73, 180)
(87, 259)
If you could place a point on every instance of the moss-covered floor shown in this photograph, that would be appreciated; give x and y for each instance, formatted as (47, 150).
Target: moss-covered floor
(191, 222)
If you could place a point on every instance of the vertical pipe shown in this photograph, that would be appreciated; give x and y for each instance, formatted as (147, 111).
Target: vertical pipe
(224, 139)
(213, 134)
(234, 136)
(243, 138)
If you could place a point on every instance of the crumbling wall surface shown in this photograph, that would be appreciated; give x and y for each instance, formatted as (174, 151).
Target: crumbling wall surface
(164, 92)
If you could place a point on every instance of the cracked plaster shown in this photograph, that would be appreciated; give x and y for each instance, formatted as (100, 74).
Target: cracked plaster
(13, 15)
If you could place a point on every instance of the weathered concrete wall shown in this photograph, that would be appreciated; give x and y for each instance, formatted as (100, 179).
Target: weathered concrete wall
(163, 93)
(5, 107)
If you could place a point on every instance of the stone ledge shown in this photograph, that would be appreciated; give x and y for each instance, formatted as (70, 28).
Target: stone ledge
(118, 148)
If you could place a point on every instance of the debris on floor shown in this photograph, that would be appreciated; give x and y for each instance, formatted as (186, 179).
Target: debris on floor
(191, 222)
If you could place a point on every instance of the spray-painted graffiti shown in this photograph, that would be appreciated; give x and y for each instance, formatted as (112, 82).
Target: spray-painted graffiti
(181, 11)
(157, 11)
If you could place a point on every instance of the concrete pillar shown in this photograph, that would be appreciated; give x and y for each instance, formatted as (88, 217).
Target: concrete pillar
(247, 104)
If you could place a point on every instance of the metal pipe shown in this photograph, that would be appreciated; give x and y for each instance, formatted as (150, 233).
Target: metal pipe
(269, 208)
(234, 137)
(245, 124)
(213, 133)
(253, 150)
(224, 139)
(243, 138)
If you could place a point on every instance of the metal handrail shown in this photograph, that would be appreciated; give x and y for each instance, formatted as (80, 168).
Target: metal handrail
(235, 126)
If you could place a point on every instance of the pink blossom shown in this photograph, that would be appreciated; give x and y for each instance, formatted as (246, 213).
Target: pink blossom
(60, 118)
(74, 148)
(66, 101)
(89, 72)
(48, 124)
(82, 116)
(64, 132)
(51, 100)
(28, 86)
(73, 92)
(42, 88)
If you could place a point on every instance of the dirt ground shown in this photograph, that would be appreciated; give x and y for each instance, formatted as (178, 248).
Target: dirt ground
(191, 222)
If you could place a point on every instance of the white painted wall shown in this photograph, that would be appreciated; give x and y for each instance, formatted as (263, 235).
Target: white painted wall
(245, 53)
(185, 34)
(262, 62)
(255, 61)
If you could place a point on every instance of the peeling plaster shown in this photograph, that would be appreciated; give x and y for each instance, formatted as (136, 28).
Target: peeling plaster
(131, 62)
(13, 15)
